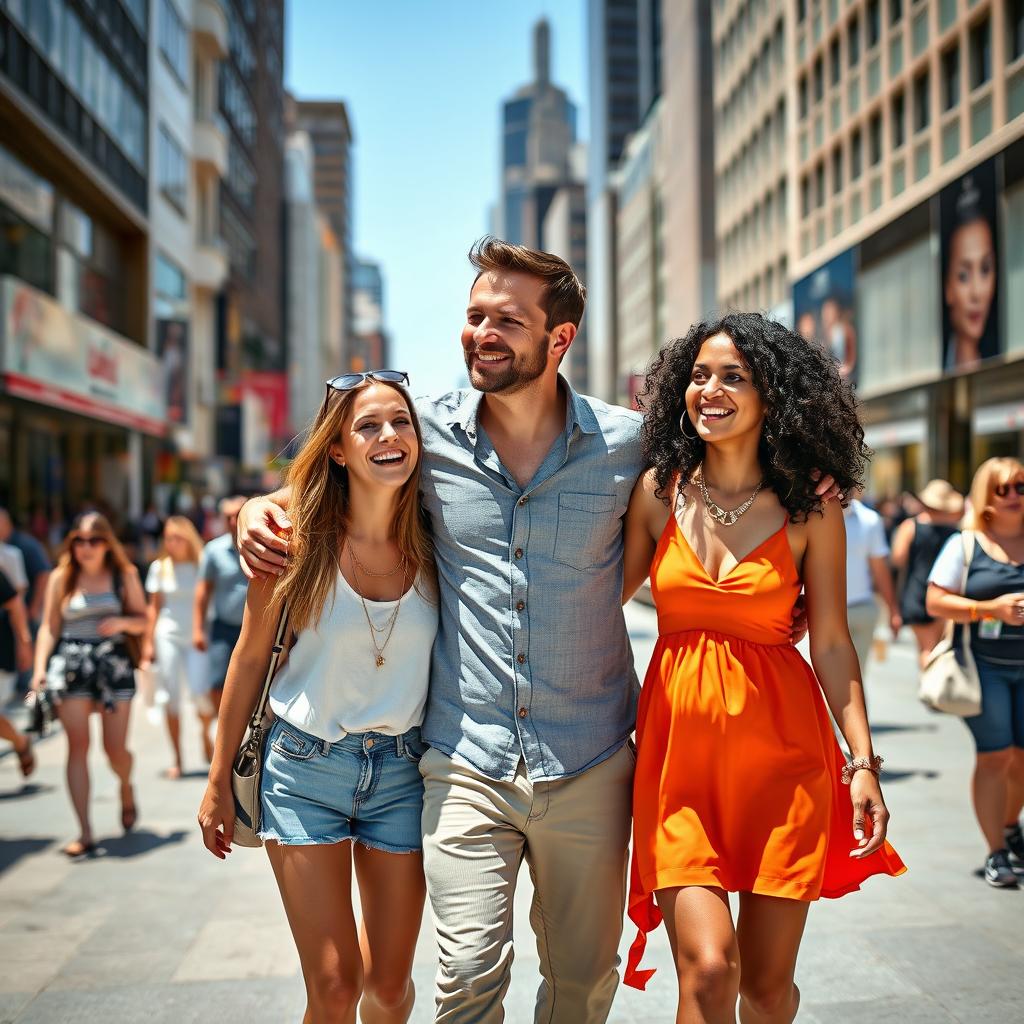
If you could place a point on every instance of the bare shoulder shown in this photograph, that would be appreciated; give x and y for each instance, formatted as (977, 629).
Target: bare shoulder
(826, 525)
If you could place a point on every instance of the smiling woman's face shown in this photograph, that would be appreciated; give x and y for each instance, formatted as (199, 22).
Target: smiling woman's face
(378, 443)
(721, 399)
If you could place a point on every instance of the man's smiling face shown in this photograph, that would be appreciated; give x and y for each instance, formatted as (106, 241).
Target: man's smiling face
(504, 341)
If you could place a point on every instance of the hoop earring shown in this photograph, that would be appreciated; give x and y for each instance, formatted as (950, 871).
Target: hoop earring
(686, 419)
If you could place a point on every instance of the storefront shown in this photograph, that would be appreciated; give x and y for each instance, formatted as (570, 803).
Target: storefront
(81, 410)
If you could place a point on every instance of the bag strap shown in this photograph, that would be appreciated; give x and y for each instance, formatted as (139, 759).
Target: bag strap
(275, 657)
(967, 540)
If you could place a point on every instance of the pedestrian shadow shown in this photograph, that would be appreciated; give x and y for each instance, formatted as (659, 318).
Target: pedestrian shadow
(914, 773)
(13, 850)
(889, 727)
(28, 789)
(136, 843)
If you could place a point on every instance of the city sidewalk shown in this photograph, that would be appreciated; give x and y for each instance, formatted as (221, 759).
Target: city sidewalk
(156, 930)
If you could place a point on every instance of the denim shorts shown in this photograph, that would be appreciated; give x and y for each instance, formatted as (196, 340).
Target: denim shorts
(1001, 722)
(365, 787)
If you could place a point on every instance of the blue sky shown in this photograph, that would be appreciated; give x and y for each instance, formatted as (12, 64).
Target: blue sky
(424, 82)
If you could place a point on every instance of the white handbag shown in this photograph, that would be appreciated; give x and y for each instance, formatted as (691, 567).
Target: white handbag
(949, 679)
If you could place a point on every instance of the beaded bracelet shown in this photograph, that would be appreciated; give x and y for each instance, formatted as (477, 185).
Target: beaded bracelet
(871, 764)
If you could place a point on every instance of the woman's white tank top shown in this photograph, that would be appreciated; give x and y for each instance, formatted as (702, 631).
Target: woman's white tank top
(331, 686)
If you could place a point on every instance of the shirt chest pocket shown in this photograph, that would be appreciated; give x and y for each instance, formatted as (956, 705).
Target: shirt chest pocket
(586, 526)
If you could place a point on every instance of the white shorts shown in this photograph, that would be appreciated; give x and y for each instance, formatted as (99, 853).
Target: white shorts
(179, 665)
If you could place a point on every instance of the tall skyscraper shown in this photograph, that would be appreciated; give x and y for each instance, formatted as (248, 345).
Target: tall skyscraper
(538, 135)
(329, 128)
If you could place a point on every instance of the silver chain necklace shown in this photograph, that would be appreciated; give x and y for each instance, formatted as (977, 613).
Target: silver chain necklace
(369, 572)
(725, 516)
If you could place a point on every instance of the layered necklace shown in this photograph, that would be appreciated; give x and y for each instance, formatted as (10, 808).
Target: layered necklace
(725, 516)
(389, 625)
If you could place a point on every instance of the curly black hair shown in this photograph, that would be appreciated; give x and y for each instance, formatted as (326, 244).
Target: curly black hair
(810, 420)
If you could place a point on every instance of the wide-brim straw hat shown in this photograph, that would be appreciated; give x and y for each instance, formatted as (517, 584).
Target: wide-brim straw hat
(941, 496)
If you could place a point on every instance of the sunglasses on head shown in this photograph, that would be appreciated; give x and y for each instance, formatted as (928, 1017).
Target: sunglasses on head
(348, 381)
(93, 542)
(1002, 490)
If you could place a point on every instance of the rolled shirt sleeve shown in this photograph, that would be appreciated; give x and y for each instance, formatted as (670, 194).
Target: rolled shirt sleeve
(948, 570)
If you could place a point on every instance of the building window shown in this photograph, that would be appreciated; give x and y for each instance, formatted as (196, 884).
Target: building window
(895, 11)
(805, 195)
(172, 170)
(922, 109)
(819, 186)
(837, 170)
(174, 40)
(90, 268)
(1015, 21)
(856, 154)
(898, 119)
(875, 140)
(802, 96)
(853, 42)
(873, 23)
(834, 67)
(819, 81)
(951, 78)
(801, 11)
(171, 288)
(981, 54)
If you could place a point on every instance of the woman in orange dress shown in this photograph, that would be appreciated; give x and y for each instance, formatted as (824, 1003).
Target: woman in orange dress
(739, 780)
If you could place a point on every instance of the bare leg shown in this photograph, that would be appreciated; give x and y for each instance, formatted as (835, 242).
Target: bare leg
(991, 792)
(769, 933)
(74, 717)
(174, 732)
(1015, 787)
(391, 891)
(115, 744)
(927, 636)
(705, 951)
(8, 732)
(316, 889)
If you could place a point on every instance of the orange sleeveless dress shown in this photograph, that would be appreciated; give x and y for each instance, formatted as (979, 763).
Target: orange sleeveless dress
(738, 770)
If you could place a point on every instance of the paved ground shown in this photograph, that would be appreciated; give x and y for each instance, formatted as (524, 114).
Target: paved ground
(155, 930)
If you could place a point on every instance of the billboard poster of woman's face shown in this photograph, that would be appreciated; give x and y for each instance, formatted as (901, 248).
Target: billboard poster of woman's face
(823, 310)
(967, 217)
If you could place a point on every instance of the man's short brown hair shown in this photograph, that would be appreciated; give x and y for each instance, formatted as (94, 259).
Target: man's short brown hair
(564, 295)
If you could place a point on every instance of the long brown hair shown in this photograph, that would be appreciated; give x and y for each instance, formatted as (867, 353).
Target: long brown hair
(116, 561)
(319, 516)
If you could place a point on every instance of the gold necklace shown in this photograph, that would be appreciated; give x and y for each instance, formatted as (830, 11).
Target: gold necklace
(725, 516)
(369, 572)
(389, 625)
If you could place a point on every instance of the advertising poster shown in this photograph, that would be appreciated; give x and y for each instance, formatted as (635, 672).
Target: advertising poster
(823, 311)
(969, 286)
(172, 349)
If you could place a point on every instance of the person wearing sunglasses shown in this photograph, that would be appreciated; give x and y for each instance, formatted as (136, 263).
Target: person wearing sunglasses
(991, 605)
(94, 599)
(341, 787)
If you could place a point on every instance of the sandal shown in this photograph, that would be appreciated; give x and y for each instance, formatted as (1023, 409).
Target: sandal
(129, 812)
(26, 759)
(76, 848)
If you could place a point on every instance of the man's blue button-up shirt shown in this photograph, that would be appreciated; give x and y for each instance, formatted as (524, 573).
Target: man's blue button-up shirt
(532, 658)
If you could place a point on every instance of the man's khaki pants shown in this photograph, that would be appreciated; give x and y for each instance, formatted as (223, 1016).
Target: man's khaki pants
(574, 835)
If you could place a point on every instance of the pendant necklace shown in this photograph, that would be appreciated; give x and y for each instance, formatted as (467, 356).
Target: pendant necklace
(389, 624)
(725, 516)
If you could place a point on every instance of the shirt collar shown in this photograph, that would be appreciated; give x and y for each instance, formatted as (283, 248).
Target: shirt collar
(578, 411)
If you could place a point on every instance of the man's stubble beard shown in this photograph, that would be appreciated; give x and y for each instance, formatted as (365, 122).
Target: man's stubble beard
(523, 371)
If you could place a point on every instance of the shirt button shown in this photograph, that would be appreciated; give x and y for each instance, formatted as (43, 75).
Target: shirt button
(520, 605)
(523, 500)
(521, 658)
(519, 552)
(522, 712)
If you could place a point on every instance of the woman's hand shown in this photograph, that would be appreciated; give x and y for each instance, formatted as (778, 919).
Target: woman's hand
(1009, 609)
(869, 812)
(199, 641)
(217, 818)
(148, 654)
(262, 530)
(38, 683)
(112, 626)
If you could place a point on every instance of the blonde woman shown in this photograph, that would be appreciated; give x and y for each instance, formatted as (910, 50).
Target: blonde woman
(341, 784)
(93, 600)
(991, 607)
(171, 586)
